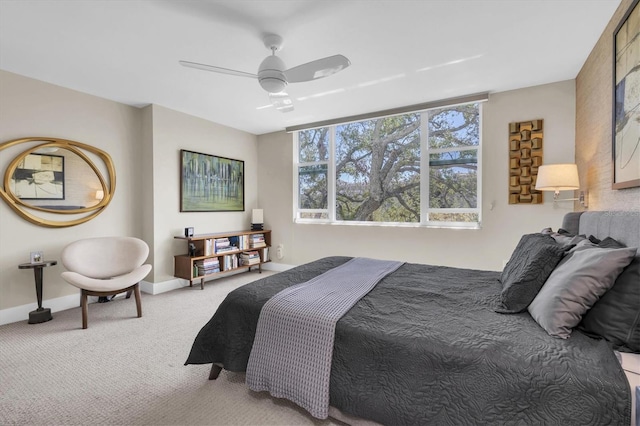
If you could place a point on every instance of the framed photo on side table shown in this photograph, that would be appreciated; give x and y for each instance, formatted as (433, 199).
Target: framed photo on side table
(626, 100)
(36, 257)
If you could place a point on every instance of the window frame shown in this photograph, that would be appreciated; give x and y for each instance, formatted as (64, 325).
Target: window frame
(425, 152)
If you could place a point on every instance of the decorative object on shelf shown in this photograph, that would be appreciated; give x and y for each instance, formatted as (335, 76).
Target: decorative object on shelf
(37, 183)
(626, 98)
(257, 220)
(188, 232)
(525, 156)
(36, 257)
(209, 183)
(560, 177)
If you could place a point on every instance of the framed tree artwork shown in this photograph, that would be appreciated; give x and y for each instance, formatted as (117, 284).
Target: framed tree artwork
(209, 183)
(626, 100)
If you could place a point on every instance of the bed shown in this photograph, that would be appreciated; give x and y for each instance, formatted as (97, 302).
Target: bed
(426, 346)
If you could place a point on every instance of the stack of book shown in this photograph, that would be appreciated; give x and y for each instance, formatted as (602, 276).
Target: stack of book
(206, 266)
(257, 241)
(223, 245)
(250, 258)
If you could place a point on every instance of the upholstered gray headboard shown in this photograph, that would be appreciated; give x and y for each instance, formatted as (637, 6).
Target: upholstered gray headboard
(623, 226)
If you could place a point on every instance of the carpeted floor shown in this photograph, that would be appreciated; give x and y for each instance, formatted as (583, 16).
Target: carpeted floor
(124, 370)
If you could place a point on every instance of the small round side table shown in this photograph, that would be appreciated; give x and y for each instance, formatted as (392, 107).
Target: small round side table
(41, 314)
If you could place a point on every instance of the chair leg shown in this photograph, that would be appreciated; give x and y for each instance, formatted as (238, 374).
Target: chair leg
(128, 294)
(136, 290)
(85, 311)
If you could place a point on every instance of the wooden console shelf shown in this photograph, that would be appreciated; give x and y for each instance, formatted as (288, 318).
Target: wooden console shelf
(215, 254)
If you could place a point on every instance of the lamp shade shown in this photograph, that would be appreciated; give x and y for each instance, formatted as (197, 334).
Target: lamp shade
(557, 177)
(257, 216)
(99, 194)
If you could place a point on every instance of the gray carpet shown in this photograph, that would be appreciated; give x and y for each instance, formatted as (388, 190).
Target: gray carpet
(124, 370)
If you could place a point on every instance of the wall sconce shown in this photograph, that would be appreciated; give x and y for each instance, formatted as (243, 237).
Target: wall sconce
(257, 219)
(560, 177)
(99, 194)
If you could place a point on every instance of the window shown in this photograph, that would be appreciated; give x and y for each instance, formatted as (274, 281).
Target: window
(421, 168)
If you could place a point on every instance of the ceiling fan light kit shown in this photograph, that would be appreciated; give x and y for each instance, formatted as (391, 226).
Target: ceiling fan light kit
(273, 75)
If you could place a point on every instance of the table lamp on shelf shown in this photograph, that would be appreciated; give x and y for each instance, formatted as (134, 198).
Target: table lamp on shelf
(257, 220)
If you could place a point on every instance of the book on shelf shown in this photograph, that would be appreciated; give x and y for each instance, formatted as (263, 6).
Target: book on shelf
(222, 245)
(225, 249)
(229, 261)
(257, 241)
(265, 254)
(206, 267)
(241, 242)
(208, 247)
(250, 258)
(211, 261)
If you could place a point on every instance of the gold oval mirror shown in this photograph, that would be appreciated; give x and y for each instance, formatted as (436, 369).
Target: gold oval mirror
(58, 177)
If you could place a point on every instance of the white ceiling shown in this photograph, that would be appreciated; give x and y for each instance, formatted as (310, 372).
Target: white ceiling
(402, 52)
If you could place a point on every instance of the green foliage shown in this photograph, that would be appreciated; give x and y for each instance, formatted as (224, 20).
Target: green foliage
(378, 165)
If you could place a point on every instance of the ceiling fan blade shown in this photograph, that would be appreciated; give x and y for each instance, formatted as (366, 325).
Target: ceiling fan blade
(317, 69)
(281, 101)
(216, 69)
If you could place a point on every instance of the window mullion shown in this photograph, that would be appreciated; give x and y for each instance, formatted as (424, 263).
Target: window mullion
(424, 167)
(479, 167)
(296, 176)
(331, 172)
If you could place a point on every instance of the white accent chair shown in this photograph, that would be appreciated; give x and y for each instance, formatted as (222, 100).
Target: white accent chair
(106, 266)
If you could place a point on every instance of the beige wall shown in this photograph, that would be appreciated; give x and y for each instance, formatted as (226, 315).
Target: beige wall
(486, 248)
(144, 145)
(30, 108)
(173, 131)
(594, 98)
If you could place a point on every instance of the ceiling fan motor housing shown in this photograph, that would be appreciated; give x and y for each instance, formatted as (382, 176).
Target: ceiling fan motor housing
(271, 74)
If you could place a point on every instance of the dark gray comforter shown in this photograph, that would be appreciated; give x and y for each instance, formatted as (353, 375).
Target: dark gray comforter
(426, 347)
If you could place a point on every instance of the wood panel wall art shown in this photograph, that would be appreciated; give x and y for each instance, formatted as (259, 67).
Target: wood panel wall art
(525, 156)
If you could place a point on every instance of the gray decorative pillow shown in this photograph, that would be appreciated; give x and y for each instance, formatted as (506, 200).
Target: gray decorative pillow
(575, 285)
(532, 261)
(616, 316)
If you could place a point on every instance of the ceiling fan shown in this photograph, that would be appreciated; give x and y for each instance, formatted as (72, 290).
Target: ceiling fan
(273, 76)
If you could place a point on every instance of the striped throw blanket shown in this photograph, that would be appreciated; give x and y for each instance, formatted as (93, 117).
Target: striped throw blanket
(293, 346)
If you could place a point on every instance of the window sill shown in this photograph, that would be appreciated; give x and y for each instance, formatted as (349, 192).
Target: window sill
(435, 225)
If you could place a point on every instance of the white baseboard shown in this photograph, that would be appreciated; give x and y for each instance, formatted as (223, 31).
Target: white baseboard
(162, 287)
(21, 313)
(176, 283)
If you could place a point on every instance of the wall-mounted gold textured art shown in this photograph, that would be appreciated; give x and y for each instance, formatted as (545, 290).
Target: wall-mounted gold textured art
(525, 156)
